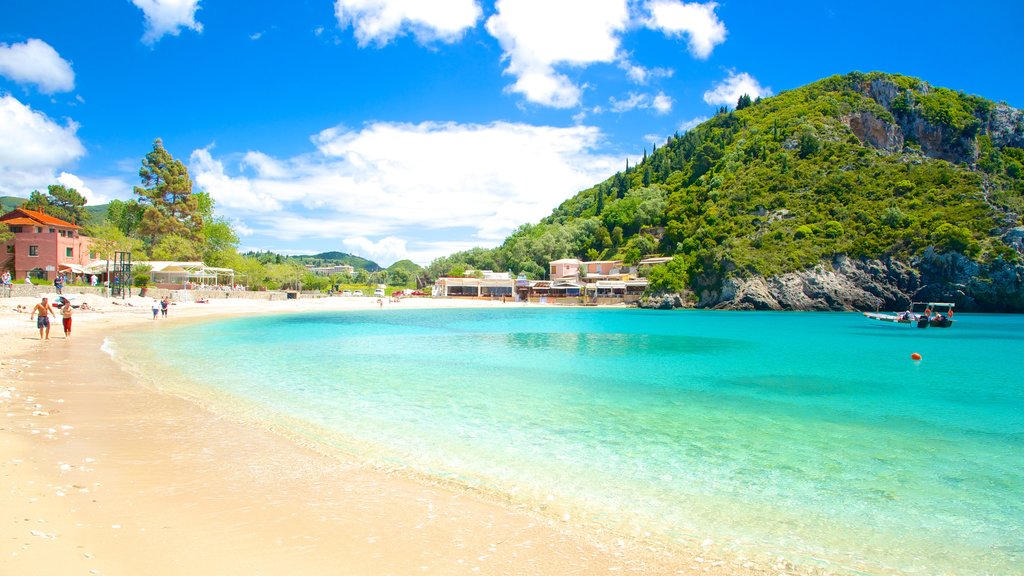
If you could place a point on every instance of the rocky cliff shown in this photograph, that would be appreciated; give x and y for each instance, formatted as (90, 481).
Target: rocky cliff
(847, 284)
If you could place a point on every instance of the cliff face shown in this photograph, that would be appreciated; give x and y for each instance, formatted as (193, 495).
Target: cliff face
(849, 284)
(911, 123)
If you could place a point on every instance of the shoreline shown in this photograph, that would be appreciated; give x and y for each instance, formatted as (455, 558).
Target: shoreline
(107, 474)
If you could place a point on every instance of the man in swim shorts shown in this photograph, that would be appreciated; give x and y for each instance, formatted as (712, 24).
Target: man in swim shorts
(43, 322)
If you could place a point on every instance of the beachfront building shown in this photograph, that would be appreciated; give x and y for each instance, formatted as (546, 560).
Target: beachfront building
(329, 270)
(43, 246)
(564, 268)
(196, 275)
(485, 284)
(597, 270)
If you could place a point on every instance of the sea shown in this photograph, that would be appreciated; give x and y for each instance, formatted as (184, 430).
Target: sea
(807, 435)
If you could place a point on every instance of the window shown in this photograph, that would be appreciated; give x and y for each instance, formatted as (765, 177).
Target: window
(63, 233)
(10, 249)
(52, 230)
(33, 250)
(92, 254)
(39, 229)
(67, 252)
(16, 229)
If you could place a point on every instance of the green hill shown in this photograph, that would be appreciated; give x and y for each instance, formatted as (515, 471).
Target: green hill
(407, 266)
(327, 258)
(8, 203)
(893, 187)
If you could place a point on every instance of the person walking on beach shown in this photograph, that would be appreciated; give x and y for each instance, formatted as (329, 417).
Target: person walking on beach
(43, 322)
(58, 284)
(156, 308)
(65, 311)
(164, 305)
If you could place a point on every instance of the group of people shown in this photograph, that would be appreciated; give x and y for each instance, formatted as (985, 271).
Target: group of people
(160, 307)
(42, 312)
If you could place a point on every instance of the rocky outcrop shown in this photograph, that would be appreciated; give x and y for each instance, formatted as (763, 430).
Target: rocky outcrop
(666, 302)
(874, 131)
(1002, 123)
(850, 284)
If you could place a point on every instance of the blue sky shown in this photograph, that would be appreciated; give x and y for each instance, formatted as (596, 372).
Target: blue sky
(414, 128)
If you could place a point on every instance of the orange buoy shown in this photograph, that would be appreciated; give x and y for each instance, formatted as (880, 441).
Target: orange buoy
(915, 356)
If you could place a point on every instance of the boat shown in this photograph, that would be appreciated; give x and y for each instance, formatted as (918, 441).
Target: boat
(934, 314)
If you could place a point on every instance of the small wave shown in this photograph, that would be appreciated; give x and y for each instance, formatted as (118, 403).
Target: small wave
(109, 347)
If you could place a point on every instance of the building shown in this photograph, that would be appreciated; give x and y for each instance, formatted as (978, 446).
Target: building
(564, 268)
(330, 270)
(43, 246)
(488, 285)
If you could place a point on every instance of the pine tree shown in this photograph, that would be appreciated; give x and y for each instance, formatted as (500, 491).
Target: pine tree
(67, 204)
(171, 208)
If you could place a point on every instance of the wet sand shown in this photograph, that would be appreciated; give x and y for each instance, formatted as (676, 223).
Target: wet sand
(105, 475)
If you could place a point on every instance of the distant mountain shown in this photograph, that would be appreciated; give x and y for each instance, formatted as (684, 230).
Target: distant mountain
(8, 203)
(327, 258)
(859, 191)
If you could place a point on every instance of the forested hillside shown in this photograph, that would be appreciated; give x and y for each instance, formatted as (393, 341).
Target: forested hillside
(861, 168)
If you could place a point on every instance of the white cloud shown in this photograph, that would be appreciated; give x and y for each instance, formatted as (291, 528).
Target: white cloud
(387, 180)
(382, 20)
(642, 75)
(168, 17)
(33, 147)
(36, 62)
(698, 21)
(728, 91)
(537, 36)
(384, 252)
(660, 103)
(692, 123)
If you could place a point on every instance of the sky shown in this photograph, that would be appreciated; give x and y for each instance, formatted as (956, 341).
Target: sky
(411, 129)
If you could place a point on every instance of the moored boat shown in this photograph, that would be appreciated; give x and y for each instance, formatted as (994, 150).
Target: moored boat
(934, 314)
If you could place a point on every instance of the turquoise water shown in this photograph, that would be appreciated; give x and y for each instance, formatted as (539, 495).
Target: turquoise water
(808, 435)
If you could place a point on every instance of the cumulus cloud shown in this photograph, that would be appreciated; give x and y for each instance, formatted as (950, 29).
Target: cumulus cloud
(380, 21)
(728, 91)
(386, 180)
(695, 20)
(660, 103)
(537, 36)
(33, 147)
(168, 17)
(385, 252)
(36, 62)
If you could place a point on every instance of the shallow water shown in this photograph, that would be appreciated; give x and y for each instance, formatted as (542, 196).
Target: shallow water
(810, 435)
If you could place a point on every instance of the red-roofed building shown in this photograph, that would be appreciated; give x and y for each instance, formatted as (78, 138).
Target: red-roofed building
(42, 245)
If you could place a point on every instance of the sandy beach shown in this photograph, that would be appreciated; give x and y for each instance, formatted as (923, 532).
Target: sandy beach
(104, 475)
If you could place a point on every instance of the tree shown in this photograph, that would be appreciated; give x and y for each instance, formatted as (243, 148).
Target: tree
(125, 215)
(166, 194)
(37, 201)
(67, 204)
(743, 102)
(108, 238)
(174, 247)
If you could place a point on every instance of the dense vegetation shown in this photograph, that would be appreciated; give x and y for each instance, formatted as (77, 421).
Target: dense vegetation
(784, 183)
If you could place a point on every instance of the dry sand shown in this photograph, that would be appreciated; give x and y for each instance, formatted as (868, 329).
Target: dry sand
(104, 475)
